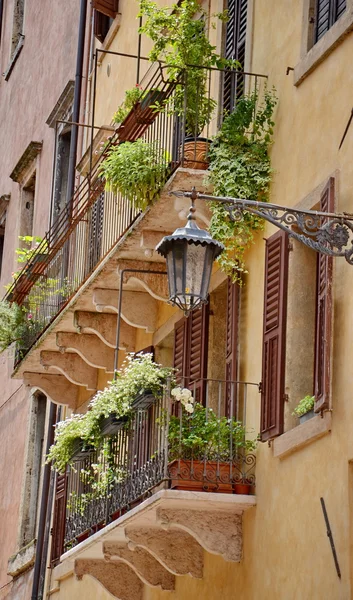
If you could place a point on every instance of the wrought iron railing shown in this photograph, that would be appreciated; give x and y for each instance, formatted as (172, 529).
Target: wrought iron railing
(152, 450)
(170, 113)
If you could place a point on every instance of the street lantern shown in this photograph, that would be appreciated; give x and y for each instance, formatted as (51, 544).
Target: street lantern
(190, 253)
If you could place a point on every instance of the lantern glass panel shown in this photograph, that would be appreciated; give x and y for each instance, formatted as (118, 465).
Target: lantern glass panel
(194, 269)
(171, 273)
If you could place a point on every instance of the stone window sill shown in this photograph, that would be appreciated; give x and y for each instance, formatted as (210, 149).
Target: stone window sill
(114, 28)
(303, 434)
(22, 560)
(14, 58)
(324, 47)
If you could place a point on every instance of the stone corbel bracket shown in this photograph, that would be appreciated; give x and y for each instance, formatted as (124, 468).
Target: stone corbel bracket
(155, 285)
(104, 326)
(57, 387)
(93, 351)
(217, 532)
(72, 366)
(150, 571)
(138, 309)
(177, 551)
(118, 578)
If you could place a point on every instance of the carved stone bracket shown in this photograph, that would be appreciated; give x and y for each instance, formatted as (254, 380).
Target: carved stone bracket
(144, 564)
(217, 532)
(138, 309)
(155, 285)
(118, 578)
(57, 387)
(104, 326)
(177, 551)
(72, 366)
(93, 351)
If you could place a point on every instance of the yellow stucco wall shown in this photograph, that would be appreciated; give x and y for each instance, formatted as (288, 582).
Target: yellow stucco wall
(287, 554)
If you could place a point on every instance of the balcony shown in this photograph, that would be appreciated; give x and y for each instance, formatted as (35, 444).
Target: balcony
(73, 275)
(164, 501)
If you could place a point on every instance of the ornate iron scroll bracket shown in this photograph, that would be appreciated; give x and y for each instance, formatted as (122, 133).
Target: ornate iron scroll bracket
(327, 233)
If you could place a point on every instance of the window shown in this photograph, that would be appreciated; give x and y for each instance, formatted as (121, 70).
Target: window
(326, 14)
(61, 172)
(104, 15)
(297, 327)
(235, 41)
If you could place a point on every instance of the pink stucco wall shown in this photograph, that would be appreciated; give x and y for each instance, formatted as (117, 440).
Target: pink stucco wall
(45, 65)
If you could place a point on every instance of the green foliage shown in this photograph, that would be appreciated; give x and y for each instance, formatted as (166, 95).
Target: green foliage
(12, 324)
(240, 168)
(201, 434)
(25, 253)
(137, 170)
(305, 405)
(131, 97)
(139, 373)
(179, 35)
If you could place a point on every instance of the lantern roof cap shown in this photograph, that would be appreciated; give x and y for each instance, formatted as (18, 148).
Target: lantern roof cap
(192, 234)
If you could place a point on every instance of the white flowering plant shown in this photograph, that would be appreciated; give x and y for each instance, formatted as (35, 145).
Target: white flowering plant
(139, 373)
(198, 433)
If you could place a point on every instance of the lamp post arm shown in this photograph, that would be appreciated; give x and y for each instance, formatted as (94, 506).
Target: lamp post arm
(324, 232)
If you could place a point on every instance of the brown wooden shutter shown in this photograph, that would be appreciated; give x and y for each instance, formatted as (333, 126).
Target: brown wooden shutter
(235, 42)
(180, 344)
(274, 335)
(324, 313)
(231, 347)
(191, 350)
(59, 519)
(107, 7)
(198, 351)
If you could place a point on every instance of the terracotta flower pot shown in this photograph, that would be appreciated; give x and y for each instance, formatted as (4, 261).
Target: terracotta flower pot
(194, 153)
(194, 476)
(242, 488)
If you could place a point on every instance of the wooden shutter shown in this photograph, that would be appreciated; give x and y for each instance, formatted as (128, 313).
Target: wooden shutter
(231, 347)
(327, 13)
(274, 335)
(59, 519)
(107, 7)
(324, 313)
(190, 351)
(180, 344)
(235, 49)
(197, 352)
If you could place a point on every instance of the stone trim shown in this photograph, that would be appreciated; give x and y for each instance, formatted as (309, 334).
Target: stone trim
(14, 57)
(113, 30)
(63, 104)
(302, 435)
(312, 57)
(29, 155)
(22, 560)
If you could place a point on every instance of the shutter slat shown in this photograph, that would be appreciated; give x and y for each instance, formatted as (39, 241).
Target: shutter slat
(275, 312)
(322, 376)
(231, 348)
(59, 519)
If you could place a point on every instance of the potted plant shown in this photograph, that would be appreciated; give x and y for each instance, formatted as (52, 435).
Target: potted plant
(137, 170)
(305, 409)
(13, 324)
(205, 451)
(179, 35)
(138, 110)
(240, 168)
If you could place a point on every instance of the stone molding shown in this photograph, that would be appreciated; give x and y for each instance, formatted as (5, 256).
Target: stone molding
(22, 560)
(72, 366)
(138, 309)
(62, 105)
(119, 579)
(177, 551)
(92, 350)
(57, 387)
(29, 155)
(104, 326)
(217, 532)
(150, 571)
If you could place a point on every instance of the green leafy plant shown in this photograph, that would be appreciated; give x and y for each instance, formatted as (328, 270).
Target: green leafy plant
(139, 373)
(240, 168)
(13, 322)
(131, 97)
(137, 170)
(179, 35)
(199, 434)
(25, 253)
(305, 405)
